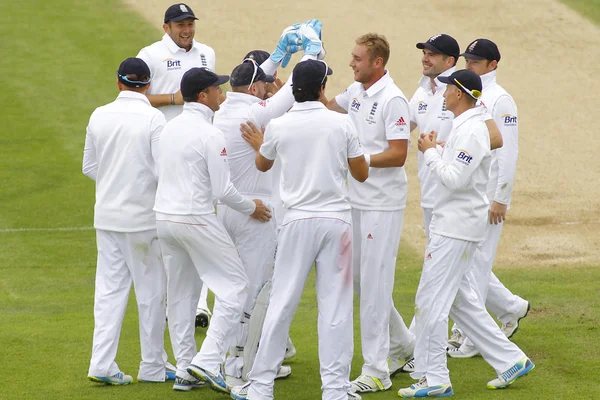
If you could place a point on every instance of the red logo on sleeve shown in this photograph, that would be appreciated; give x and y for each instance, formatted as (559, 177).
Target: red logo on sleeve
(263, 103)
(224, 152)
(401, 122)
(369, 236)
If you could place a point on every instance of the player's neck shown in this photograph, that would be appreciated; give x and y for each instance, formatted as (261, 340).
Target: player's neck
(461, 108)
(374, 79)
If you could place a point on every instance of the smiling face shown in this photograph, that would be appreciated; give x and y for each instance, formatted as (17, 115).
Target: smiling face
(211, 97)
(435, 63)
(182, 32)
(361, 64)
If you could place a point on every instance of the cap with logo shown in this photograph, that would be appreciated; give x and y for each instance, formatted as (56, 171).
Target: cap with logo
(441, 44)
(136, 67)
(260, 56)
(482, 49)
(467, 81)
(249, 72)
(179, 12)
(310, 74)
(198, 79)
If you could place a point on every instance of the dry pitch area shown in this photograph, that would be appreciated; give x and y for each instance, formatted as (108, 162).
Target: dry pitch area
(550, 58)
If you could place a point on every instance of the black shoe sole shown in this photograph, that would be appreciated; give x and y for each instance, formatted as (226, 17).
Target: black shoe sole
(519, 320)
(202, 320)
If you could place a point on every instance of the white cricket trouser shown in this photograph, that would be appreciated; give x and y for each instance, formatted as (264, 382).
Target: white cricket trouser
(427, 214)
(447, 288)
(376, 237)
(483, 261)
(502, 302)
(256, 243)
(124, 258)
(328, 243)
(194, 248)
(203, 300)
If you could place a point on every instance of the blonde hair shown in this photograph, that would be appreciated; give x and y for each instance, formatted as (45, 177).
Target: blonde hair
(377, 46)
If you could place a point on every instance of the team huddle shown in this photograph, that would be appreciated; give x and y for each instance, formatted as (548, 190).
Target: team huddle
(242, 194)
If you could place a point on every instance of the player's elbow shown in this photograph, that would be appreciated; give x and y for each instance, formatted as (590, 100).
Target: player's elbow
(90, 172)
(263, 164)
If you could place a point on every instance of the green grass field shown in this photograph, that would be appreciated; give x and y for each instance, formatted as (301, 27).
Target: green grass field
(62, 63)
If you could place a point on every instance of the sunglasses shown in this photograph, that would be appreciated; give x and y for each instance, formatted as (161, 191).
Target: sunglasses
(473, 93)
(255, 64)
(124, 78)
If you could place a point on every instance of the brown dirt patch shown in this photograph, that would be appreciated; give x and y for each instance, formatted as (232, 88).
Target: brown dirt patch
(550, 58)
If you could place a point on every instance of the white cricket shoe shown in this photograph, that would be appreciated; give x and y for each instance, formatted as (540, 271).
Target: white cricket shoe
(290, 350)
(365, 383)
(185, 382)
(464, 351)
(283, 372)
(409, 366)
(511, 327)
(508, 377)
(456, 340)
(234, 381)
(240, 392)
(354, 396)
(117, 379)
(422, 389)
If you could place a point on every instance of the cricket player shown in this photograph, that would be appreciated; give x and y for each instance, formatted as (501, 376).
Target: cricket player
(429, 113)
(256, 242)
(482, 57)
(193, 175)
(381, 114)
(458, 224)
(121, 150)
(317, 147)
(168, 60)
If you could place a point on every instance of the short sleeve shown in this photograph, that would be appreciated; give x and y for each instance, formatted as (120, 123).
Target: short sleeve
(269, 147)
(343, 99)
(414, 107)
(355, 148)
(396, 118)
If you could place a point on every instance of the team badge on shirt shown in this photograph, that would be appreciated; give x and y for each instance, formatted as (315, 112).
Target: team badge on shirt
(172, 64)
(509, 120)
(464, 157)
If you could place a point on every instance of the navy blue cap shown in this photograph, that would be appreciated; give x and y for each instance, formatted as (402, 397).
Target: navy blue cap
(198, 79)
(467, 81)
(441, 44)
(138, 71)
(310, 74)
(249, 72)
(482, 49)
(260, 56)
(179, 12)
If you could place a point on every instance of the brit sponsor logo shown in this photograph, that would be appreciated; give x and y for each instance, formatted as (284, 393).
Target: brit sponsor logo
(464, 157)
(422, 108)
(509, 120)
(355, 104)
(172, 64)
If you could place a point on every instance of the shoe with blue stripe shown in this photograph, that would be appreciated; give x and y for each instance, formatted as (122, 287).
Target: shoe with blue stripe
(516, 371)
(217, 382)
(117, 379)
(422, 389)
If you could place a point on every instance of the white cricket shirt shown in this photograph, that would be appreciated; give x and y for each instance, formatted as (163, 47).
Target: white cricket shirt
(313, 145)
(239, 108)
(379, 114)
(193, 172)
(121, 149)
(168, 62)
(462, 171)
(428, 111)
(501, 106)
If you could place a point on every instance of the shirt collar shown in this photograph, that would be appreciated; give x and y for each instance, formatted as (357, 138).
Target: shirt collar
(172, 46)
(130, 94)
(307, 105)
(488, 79)
(244, 98)
(198, 108)
(425, 82)
(380, 84)
(458, 121)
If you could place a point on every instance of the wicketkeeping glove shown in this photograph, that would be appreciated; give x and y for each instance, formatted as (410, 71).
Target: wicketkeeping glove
(289, 43)
(310, 34)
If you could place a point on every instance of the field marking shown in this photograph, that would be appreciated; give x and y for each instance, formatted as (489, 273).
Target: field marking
(64, 229)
